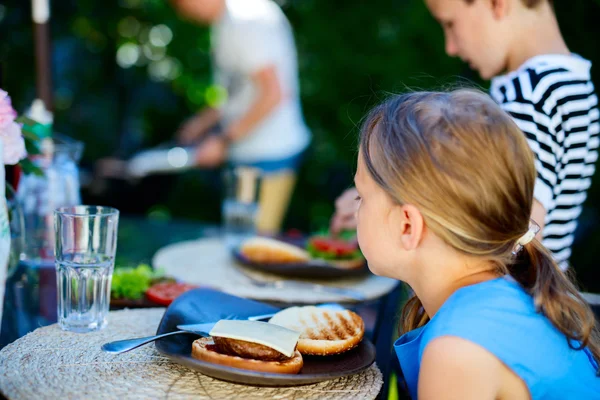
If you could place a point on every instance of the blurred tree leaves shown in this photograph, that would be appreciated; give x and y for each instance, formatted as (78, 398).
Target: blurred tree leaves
(352, 54)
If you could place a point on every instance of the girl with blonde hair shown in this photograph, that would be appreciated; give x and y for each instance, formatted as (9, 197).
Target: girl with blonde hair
(446, 185)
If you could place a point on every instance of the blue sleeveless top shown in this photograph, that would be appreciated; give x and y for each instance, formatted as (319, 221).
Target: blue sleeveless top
(500, 316)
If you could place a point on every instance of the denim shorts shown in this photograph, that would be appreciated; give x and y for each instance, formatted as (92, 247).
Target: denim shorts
(291, 163)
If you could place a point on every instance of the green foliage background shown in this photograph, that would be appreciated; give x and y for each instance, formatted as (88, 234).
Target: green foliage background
(352, 54)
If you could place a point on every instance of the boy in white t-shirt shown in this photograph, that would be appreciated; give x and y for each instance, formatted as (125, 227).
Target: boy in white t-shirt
(254, 59)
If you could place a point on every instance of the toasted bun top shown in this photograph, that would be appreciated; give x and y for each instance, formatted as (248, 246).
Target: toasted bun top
(267, 250)
(321, 324)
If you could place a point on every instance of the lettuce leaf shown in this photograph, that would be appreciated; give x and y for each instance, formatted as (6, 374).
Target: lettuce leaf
(132, 283)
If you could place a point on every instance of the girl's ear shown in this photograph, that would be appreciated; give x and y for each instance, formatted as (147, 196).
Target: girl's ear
(409, 225)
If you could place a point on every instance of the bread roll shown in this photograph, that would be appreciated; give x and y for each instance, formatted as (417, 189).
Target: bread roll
(323, 332)
(271, 251)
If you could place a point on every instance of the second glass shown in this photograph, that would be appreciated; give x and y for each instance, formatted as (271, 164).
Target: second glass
(86, 242)
(240, 206)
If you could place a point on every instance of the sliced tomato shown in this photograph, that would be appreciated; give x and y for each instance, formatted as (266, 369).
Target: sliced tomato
(165, 293)
(320, 244)
(334, 246)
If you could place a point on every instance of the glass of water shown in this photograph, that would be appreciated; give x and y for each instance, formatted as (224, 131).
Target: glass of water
(240, 206)
(86, 241)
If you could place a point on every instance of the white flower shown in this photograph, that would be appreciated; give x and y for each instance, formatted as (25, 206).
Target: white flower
(13, 143)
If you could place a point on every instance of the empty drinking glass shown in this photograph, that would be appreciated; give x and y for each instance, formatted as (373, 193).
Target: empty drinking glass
(240, 207)
(86, 241)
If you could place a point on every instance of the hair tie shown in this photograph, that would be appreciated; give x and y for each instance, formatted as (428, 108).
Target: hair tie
(534, 228)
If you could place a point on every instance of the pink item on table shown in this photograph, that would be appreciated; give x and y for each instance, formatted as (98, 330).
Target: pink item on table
(7, 113)
(10, 132)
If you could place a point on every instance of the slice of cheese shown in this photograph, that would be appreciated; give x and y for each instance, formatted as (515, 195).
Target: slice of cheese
(274, 336)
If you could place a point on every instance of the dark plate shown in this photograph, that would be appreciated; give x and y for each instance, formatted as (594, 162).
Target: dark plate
(312, 269)
(117, 304)
(206, 305)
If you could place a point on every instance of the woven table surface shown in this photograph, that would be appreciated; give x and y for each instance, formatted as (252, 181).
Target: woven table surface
(50, 363)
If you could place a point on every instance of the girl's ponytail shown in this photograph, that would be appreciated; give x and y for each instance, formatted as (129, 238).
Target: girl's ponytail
(556, 296)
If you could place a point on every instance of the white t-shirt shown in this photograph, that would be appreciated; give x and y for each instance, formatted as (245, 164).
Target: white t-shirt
(252, 35)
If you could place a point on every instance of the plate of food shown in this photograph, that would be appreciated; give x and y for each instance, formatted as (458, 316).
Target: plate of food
(319, 256)
(295, 346)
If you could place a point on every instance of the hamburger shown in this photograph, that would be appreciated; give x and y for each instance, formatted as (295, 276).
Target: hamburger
(251, 345)
(323, 332)
(338, 253)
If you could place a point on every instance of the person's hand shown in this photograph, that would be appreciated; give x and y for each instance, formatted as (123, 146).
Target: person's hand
(192, 129)
(212, 152)
(344, 217)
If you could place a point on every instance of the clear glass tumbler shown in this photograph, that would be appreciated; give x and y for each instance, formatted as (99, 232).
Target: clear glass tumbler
(240, 206)
(86, 242)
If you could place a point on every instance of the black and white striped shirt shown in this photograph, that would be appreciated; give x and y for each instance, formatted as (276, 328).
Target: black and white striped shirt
(552, 100)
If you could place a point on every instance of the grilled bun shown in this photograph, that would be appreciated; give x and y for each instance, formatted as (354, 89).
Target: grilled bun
(323, 332)
(271, 251)
(204, 349)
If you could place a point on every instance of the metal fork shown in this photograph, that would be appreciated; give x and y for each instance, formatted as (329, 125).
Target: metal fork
(287, 284)
(123, 346)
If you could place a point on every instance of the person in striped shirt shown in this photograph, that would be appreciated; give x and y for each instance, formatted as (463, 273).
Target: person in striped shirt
(544, 87)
